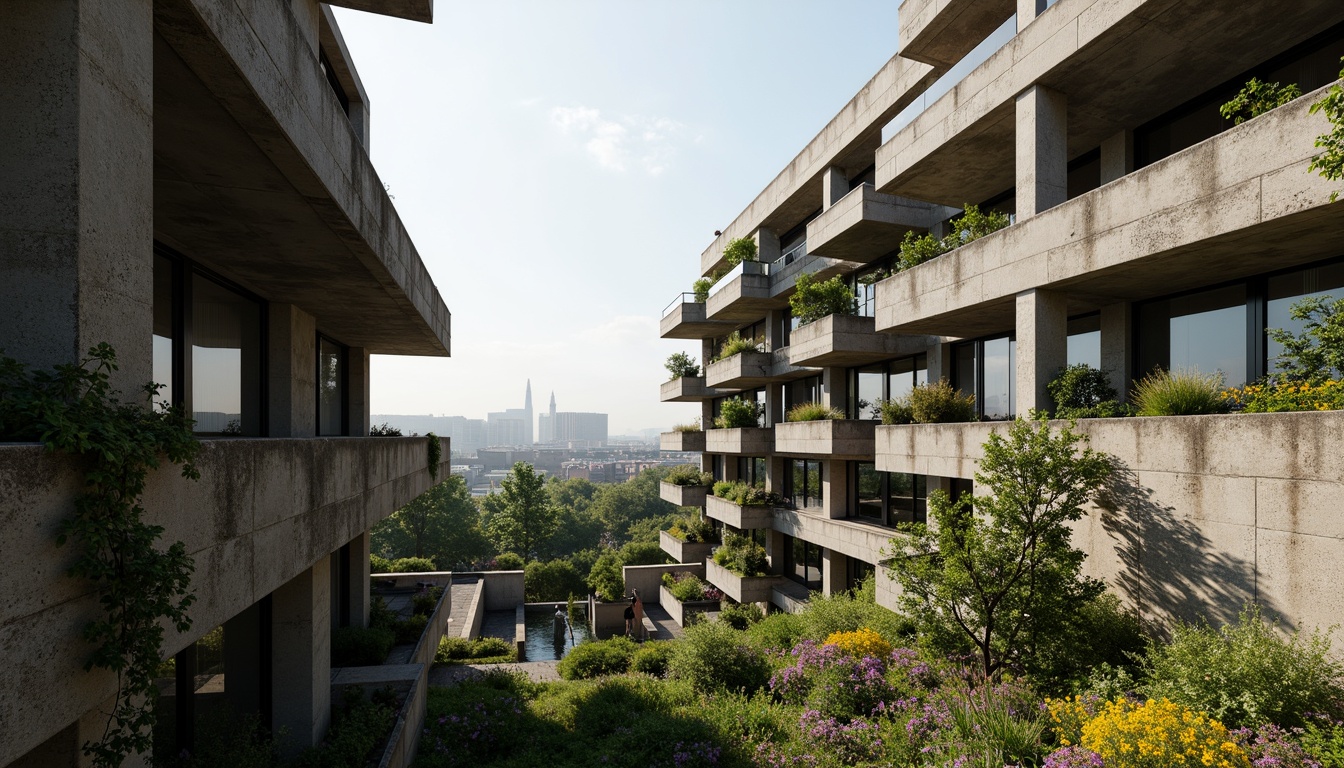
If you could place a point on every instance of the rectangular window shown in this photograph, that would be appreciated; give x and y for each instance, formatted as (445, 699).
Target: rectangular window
(801, 391)
(716, 467)
(866, 391)
(1204, 332)
(166, 332)
(804, 483)
(869, 492)
(751, 470)
(906, 374)
(1283, 291)
(226, 358)
(888, 498)
(907, 499)
(1084, 342)
(985, 369)
(332, 403)
(802, 562)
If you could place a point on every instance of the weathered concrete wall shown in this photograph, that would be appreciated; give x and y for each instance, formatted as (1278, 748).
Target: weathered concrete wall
(744, 441)
(648, 578)
(503, 589)
(743, 589)
(736, 515)
(681, 441)
(683, 495)
(263, 512)
(679, 610)
(1204, 514)
(684, 552)
(942, 32)
(852, 538)
(832, 438)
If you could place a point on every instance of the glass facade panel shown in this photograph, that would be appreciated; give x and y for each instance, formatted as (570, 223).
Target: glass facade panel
(165, 310)
(965, 369)
(888, 498)
(751, 470)
(331, 399)
(225, 360)
(804, 483)
(803, 562)
(866, 391)
(868, 488)
(906, 374)
(1283, 291)
(997, 401)
(801, 391)
(908, 498)
(1204, 332)
(1084, 342)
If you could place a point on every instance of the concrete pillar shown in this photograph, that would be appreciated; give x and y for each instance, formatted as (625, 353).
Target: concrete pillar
(1027, 11)
(833, 570)
(774, 404)
(835, 488)
(1042, 346)
(76, 183)
(1117, 156)
(774, 550)
(292, 367)
(707, 414)
(834, 387)
(834, 185)
(301, 657)
(65, 748)
(1042, 150)
(358, 580)
(1116, 346)
(359, 391)
(767, 245)
(777, 466)
(242, 660)
(939, 360)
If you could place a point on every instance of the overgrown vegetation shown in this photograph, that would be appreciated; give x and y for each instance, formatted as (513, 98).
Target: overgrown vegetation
(1256, 98)
(814, 299)
(482, 650)
(694, 529)
(935, 403)
(969, 227)
(736, 413)
(735, 344)
(694, 426)
(688, 588)
(745, 494)
(1179, 393)
(384, 430)
(141, 589)
(742, 556)
(360, 646)
(813, 412)
(738, 250)
(680, 364)
(1330, 162)
(688, 475)
(1083, 392)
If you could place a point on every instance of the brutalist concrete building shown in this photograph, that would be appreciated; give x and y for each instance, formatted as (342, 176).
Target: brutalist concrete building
(189, 181)
(1146, 231)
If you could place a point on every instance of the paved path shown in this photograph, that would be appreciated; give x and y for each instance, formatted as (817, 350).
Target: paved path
(540, 671)
(459, 623)
(664, 628)
(501, 624)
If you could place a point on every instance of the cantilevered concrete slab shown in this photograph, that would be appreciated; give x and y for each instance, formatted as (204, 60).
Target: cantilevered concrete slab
(686, 320)
(1239, 204)
(745, 297)
(961, 149)
(866, 225)
(941, 32)
(744, 370)
(686, 389)
(848, 439)
(413, 10)
(841, 341)
(743, 441)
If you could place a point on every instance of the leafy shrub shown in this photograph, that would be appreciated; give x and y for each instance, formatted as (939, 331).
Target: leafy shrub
(860, 643)
(642, 553)
(1257, 98)
(746, 495)
(693, 530)
(552, 581)
(940, 403)
(832, 681)
(1246, 673)
(360, 647)
(738, 250)
(813, 412)
(652, 658)
(408, 631)
(694, 426)
(736, 413)
(680, 364)
(1179, 393)
(1278, 396)
(987, 724)
(380, 615)
(378, 564)
(776, 632)
(736, 344)
(595, 658)
(1083, 392)
(827, 615)
(701, 288)
(1323, 738)
(412, 565)
(1103, 636)
(713, 657)
(509, 561)
(742, 556)
(1159, 734)
(739, 616)
(1330, 163)
(457, 650)
(1317, 354)
(684, 586)
(970, 226)
(606, 578)
(814, 299)
(426, 600)
(384, 430)
(896, 411)
(688, 475)
(1271, 745)
(356, 731)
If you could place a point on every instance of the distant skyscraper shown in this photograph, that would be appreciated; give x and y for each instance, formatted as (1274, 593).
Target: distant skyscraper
(531, 422)
(566, 428)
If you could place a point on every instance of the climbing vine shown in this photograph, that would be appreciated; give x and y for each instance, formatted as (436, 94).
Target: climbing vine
(435, 455)
(73, 411)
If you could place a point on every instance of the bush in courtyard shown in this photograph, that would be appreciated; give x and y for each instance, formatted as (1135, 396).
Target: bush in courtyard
(642, 553)
(1256, 98)
(776, 632)
(652, 657)
(694, 529)
(552, 581)
(940, 403)
(860, 643)
(426, 600)
(813, 412)
(1323, 738)
(736, 413)
(688, 475)
(412, 565)
(595, 658)
(684, 586)
(981, 724)
(680, 364)
(1083, 392)
(360, 647)
(827, 615)
(380, 615)
(832, 681)
(739, 616)
(459, 650)
(378, 564)
(814, 299)
(714, 657)
(1277, 396)
(1246, 673)
(408, 631)
(606, 579)
(357, 729)
(1104, 639)
(1179, 393)
(735, 344)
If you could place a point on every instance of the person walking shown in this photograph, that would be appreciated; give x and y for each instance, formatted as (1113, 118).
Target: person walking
(638, 604)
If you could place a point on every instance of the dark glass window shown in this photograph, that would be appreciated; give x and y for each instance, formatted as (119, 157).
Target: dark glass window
(801, 391)
(888, 498)
(864, 284)
(869, 492)
(1084, 173)
(1084, 342)
(906, 374)
(1204, 332)
(802, 562)
(716, 467)
(871, 384)
(332, 403)
(226, 360)
(985, 369)
(166, 334)
(804, 480)
(962, 488)
(751, 470)
(856, 572)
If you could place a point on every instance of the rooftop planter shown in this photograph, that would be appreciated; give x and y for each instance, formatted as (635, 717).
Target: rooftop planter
(685, 551)
(682, 441)
(745, 441)
(832, 438)
(745, 370)
(847, 340)
(743, 589)
(737, 515)
(683, 495)
(679, 610)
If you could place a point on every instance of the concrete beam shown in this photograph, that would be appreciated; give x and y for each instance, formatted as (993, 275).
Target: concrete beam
(834, 185)
(942, 32)
(411, 10)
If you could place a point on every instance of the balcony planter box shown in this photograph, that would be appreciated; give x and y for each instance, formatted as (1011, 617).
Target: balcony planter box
(679, 610)
(686, 320)
(682, 441)
(684, 551)
(862, 225)
(743, 589)
(683, 495)
(746, 441)
(738, 516)
(744, 370)
(743, 296)
(830, 438)
(686, 389)
(606, 619)
(847, 340)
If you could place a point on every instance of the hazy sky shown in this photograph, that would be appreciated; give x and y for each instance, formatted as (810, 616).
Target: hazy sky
(561, 165)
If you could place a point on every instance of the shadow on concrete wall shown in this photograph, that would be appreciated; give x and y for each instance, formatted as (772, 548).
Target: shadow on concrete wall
(1171, 570)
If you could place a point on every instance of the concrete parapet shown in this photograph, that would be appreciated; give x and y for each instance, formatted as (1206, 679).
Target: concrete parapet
(826, 438)
(848, 340)
(682, 441)
(683, 495)
(687, 389)
(503, 589)
(679, 611)
(942, 32)
(862, 226)
(744, 441)
(741, 371)
(743, 297)
(858, 539)
(743, 589)
(648, 578)
(686, 320)
(686, 553)
(738, 516)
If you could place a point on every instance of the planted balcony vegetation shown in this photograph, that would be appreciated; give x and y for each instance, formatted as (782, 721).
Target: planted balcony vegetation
(694, 426)
(688, 475)
(936, 403)
(736, 413)
(736, 344)
(686, 587)
(814, 299)
(680, 364)
(813, 412)
(693, 530)
(745, 495)
(1083, 392)
(967, 228)
(737, 251)
(742, 556)
(1256, 98)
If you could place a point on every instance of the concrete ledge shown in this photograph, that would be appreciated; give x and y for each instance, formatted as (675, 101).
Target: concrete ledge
(411, 10)
(471, 629)
(648, 578)
(687, 321)
(745, 370)
(683, 495)
(749, 441)
(520, 632)
(866, 225)
(859, 539)
(743, 589)
(682, 441)
(849, 340)
(606, 619)
(404, 740)
(687, 389)
(738, 516)
(745, 297)
(686, 553)
(942, 32)
(828, 438)
(679, 611)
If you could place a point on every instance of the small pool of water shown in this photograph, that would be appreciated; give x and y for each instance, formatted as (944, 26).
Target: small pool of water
(542, 642)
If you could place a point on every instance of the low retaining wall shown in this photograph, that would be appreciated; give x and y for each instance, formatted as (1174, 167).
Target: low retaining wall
(649, 578)
(520, 633)
(606, 619)
(503, 589)
(405, 737)
(679, 610)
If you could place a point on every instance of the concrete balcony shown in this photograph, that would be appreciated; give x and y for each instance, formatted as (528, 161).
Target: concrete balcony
(826, 438)
(684, 551)
(942, 32)
(860, 539)
(848, 340)
(1242, 200)
(683, 495)
(1204, 513)
(745, 370)
(684, 318)
(738, 516)
(743, 294)
(743, 589)
(263, 511)
(743, 441)
(866, 225)
(687, 389)
(693, 442)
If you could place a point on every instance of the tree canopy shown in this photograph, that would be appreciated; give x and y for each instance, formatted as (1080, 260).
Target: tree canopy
(443, 524)
(521, 518)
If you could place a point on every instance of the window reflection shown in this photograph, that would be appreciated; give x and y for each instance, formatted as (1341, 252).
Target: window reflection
(331, 396)
(1084, 342)
(1204, 332)
(225, 360)
(1286, 290)
(165, 309)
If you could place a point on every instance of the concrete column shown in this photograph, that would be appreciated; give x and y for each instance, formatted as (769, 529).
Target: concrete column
(774, 404)
(1027, 11)
(774, 550)
(1117, 156)
(833, 568)
(1042, 346)
(1116, 346)
(777, 466)
(301, 656)
(834, 387)
(76, 183)
(293, 371)
(767, 244)
(939, 360)
(359, 391)
(1042, 150)
(359, 580)
(242, 660)
(834, 185)
(706, 414)
(835, 488)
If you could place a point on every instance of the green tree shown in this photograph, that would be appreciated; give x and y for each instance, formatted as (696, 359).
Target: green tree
(618, 506)
(521, 517)
(1001, 572)
(1317, 353)
(442, 523)
(1330, 163)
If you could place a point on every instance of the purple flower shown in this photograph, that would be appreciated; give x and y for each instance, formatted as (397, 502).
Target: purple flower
(1073, 757)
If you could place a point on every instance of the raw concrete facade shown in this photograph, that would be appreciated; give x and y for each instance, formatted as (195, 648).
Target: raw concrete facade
(1145, 230)
(189, 181)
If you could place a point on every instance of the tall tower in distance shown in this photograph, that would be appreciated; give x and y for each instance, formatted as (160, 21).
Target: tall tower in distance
(531, 422)
(552, 407)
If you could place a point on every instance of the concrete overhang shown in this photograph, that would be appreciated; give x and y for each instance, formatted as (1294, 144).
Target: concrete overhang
(259, 175)
(942, 32)
(686, 320)
(841, 341)
(411, 10)
(848, 141)
(745, 370)
(687, 389)
(866, 225)
(1119, 64)
(1239, 204)
(745, 297)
